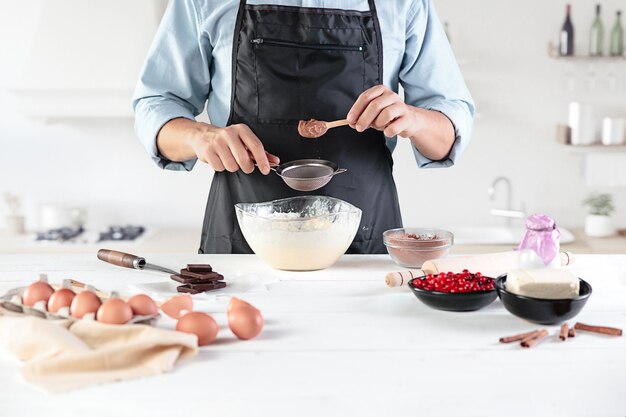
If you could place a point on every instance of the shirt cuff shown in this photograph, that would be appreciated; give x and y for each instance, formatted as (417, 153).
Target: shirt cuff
(149, 119)
(461, 118)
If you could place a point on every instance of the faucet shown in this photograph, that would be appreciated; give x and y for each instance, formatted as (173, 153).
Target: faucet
(508, 211)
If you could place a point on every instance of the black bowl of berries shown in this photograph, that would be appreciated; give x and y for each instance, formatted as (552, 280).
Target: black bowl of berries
(464, 291)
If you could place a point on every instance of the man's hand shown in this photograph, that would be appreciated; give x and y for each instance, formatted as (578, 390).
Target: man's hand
(229, 148)
(232, 148)
(382, 109)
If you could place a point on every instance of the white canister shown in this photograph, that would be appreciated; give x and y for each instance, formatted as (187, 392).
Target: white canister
(56, 216)
(613, 131)
(580, 121)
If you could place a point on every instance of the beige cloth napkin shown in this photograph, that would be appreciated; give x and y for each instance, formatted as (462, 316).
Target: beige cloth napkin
(61, 355)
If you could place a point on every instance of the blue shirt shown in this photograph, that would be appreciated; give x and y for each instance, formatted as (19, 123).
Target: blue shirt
(189, 64)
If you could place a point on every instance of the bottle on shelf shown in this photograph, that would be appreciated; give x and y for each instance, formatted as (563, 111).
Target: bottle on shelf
(596, 38)
(617, 37)
(566, 36)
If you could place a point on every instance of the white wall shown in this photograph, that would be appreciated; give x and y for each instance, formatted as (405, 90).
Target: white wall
(521, 94)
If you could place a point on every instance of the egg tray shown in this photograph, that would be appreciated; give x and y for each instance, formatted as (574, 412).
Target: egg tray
(8, 301)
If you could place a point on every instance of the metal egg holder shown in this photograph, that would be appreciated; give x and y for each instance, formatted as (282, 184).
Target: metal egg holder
(12, 301)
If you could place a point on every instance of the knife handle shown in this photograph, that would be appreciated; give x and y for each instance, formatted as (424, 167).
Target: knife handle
(121, 259)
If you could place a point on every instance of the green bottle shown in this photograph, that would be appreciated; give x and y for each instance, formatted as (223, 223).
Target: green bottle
(596, 40)
(617, 37)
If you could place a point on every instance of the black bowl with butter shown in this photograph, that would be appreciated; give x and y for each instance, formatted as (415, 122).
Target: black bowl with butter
(541, 310)
(461, 301)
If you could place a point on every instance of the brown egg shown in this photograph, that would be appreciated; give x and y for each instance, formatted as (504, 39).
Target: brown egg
(200, 324)
(37, 291)
(84, 303)
(244, 319)
(174, 306)
(143, 305)
(114, 311)
(61, 298)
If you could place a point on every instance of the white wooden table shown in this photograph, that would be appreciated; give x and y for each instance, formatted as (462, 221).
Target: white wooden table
(339, 343)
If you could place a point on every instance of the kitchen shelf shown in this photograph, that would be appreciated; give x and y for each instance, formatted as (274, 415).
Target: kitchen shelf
(586, 149)
(552, 53)
(590, 59)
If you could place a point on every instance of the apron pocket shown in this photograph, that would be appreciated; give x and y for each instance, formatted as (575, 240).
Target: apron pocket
(294, 76)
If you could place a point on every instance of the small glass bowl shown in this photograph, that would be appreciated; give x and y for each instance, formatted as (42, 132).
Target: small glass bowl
(411, 247)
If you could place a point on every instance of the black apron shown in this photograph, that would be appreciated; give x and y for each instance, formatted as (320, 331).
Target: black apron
(291, 64)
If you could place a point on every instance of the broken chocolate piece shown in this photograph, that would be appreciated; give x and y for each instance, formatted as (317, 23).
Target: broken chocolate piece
(199, 268)
(200, 275)
(191, 280)
(208, 286)
(198, 288)
(187, 289)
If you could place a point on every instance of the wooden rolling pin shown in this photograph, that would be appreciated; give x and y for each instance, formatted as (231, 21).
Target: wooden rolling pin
(490, 265)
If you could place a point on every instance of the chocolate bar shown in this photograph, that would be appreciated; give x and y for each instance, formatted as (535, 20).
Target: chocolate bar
(187, 289)
(200, 275)
(199, 268)
(190, 280)
(208, 286)
(198, 288)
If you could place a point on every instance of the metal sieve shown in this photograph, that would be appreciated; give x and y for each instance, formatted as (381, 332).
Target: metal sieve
(307, 174)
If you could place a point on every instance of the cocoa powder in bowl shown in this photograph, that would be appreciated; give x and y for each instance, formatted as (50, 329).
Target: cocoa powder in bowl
(411, 247)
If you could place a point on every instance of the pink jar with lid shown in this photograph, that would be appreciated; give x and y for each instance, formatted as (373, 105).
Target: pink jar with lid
(543, 237)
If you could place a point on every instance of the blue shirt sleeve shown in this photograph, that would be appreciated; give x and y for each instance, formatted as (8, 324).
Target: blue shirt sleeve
(167, 88)
(431, 79)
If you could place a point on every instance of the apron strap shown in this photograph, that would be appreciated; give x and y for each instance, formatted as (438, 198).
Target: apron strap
(379, 39)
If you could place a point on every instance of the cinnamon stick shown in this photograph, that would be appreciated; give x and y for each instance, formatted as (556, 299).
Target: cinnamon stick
(564, 331)
(610, 331)
(518, 337)
(571, 332)
(532, 341)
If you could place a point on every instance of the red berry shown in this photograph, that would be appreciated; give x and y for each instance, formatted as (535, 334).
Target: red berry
(451, 282)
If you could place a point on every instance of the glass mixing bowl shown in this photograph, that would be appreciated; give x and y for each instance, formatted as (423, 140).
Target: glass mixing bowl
(300, 233)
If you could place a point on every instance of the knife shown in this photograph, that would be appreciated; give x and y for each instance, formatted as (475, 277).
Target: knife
(130, 261)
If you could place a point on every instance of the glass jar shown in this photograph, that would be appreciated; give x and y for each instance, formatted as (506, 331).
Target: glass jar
(543, 237)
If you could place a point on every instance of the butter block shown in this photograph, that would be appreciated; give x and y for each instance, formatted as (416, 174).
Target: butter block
(546, 283)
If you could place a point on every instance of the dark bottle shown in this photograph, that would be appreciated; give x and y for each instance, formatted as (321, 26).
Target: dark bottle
(566, 37)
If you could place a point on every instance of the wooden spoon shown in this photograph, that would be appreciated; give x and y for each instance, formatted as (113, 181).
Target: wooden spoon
(313, 129)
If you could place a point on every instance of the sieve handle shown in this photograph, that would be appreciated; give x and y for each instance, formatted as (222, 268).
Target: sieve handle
(339, 171)
(273, 166)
